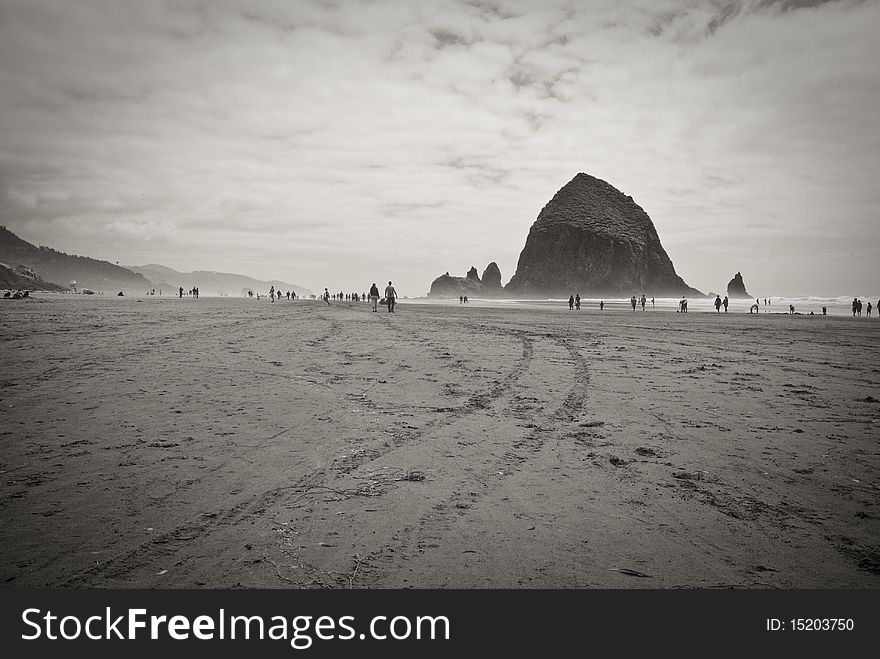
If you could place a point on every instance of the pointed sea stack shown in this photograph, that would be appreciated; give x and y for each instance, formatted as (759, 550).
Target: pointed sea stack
(492, 280)
(594, 240)
(736, 288)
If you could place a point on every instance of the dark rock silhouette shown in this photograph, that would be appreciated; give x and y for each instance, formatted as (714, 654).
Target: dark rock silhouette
(594, 239)
(736, 288)
(448, 286)
(492, 279)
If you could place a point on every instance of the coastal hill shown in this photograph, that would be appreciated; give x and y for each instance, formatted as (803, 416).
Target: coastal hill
(594, 240)
(21, 278)
(60, 268)
(210, 283)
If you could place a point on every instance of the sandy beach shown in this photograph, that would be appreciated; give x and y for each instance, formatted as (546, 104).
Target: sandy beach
(228, 442)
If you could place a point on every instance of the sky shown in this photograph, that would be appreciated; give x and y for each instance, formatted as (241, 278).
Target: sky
(337, 143)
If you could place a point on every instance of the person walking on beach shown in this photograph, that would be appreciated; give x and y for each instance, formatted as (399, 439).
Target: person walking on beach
(374, 297)
(652, 303)
(717, 304)
(390, 296)
(601, 305)
(725, 302)
(633, 302)
(644, 300)
(571, 302)
(577, 303)
(181, 296)
(869, 308)
(791, 308)
(326, 297)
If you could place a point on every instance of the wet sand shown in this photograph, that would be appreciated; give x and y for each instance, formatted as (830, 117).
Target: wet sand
(226, 442)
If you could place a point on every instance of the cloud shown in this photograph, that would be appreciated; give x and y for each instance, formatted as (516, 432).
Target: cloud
(327, 144)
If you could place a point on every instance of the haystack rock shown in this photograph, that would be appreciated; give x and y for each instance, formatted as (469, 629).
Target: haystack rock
(736, 288)
(594, 240)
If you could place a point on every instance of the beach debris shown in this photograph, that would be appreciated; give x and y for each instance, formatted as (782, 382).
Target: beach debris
(631, 573)
(688, 476)
(867, 399)
(646, 451)
(161, 572)
(617, 462)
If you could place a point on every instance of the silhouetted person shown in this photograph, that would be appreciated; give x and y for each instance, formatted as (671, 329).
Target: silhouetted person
(725, 302)
(181, 296)
(717, 304)
(791, 308)
(633, 302)
(374, 297)
(643, 301)
(601, 305)
(326, 297)
(460, 299)
(465, 299)
(571, 303)
(390, 297)
(824, 311)
(869, 308)
(577, 303)
(652, 303)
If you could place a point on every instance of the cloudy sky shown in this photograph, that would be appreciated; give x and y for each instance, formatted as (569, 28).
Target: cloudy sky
(336, 143)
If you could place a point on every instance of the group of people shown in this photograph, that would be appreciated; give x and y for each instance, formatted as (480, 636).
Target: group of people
(194, 292)
(574, 302)
(390, 298)
(857, 307)
(462, 299)
(291, 295)
(719, 303)
(642, 300)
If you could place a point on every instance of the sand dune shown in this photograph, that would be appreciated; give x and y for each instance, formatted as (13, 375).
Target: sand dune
(226, 442)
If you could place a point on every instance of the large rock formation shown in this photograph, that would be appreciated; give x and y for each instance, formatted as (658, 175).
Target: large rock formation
(594, 240)
(470, 285)
(736, 288)
(492, 279)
